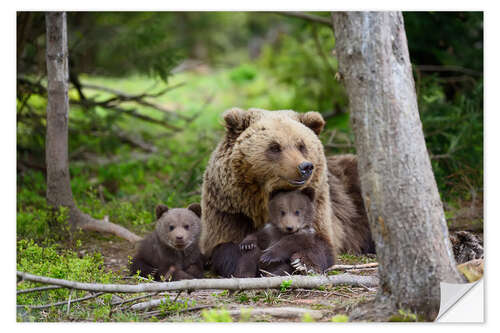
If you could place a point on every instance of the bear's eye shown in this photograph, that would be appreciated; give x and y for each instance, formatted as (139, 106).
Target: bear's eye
(170, 228)
(275, 147)
(186, 227)
(297, 213)
(302, 148)
(283, 213)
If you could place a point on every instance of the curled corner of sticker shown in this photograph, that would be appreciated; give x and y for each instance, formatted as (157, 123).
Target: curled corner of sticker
(461, 302)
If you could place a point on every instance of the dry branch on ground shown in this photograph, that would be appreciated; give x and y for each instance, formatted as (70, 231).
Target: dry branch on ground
(230, 284)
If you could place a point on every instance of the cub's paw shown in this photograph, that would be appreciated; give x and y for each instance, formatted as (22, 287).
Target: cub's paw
(302, 265)
(247, 245)
(269, 257)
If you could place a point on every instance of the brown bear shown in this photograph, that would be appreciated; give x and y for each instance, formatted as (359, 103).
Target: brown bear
(171, 251)
(265, 151)
(289, 231)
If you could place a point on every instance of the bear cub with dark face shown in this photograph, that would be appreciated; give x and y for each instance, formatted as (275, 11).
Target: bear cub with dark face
(171, 251)
(289, 232)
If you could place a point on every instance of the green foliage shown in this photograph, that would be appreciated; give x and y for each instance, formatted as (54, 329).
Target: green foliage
(36, 220)
(285, 285)
(124, 42)
(454, 135)
(449, 38)
(168, 306)
(216, 316)
(242, 297)
(52, 261)
(351, 259)
(307, 318)
(340, 319)
(403, 316)
(272, 296)
(243, 74)
(303, 62)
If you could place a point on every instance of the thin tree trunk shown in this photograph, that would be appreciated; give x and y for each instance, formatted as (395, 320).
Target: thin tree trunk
(399, 190)
(56, 145)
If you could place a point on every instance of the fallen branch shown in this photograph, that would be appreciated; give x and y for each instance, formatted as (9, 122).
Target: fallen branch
(230, 284)
(121, 302)
(349, 267)
(68, 302)
(151, 304)
(24, 291)
(88, 223)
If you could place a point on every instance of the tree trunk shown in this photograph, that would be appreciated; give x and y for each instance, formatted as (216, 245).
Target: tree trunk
(399, 190)
(56, 145)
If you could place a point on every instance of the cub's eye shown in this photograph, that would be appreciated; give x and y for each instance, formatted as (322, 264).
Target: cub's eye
(170, 228)
(186, 227)
(282, 213)
(275, 148)
(297, 213)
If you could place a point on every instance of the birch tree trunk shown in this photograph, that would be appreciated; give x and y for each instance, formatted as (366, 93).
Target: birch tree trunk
(399, 190)
(56, 144)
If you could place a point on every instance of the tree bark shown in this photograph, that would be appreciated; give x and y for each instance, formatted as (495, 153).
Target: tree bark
(399, 190)
(56, 146)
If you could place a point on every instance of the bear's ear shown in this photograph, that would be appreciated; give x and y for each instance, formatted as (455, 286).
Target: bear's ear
(160, 209)
(236, 120)
(309, 192)
(195, 208)
(313, 120)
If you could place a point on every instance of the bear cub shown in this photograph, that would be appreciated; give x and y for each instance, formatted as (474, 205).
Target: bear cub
(289, 233)
(171, 251)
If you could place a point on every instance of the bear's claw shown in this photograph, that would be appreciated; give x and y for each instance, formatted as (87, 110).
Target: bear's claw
(247, 247)
(300, 267)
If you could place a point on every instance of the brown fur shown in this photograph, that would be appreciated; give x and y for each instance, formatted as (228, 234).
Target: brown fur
(288, 233)
(171, 251)
(245, 169)
(347, 201)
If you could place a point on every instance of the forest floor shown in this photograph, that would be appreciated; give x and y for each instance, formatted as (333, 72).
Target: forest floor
(292, 305)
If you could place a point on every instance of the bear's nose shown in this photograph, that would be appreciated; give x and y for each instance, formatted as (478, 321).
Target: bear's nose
(289, 229)
(179, 237)
(305, 169)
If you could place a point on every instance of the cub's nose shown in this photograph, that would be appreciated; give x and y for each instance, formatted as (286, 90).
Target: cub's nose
(305, 169)
(179, 237)
(289, 229)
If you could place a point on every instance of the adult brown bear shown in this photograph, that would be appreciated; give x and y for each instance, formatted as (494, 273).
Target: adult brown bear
(264, 151)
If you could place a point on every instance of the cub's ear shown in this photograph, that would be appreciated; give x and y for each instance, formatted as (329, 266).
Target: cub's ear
(160, 209)
(237, 120)
(195, 208)
(309, 192)
(314, 120)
